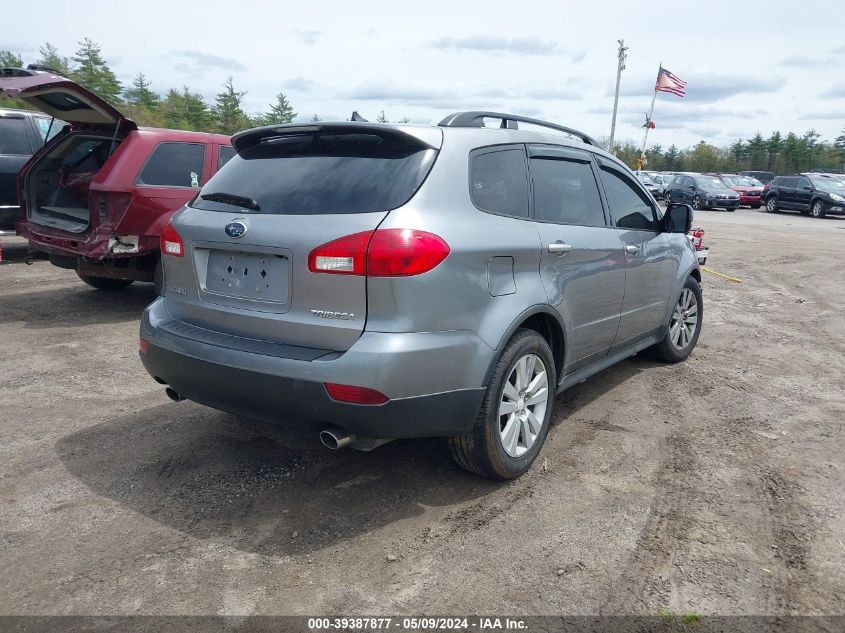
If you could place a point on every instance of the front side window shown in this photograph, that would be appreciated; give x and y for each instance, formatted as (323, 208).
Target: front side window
(174, 165)
(13, 136)
(498, 182)
(565, 192)
(802, 182)
(630, 206)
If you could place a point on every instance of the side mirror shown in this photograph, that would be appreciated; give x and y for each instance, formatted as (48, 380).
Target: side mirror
(678, 218)
(807, 188)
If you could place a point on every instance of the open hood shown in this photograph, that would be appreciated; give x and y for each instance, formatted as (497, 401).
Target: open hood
(60, 97)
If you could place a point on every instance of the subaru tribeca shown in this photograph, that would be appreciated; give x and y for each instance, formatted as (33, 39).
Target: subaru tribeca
(392, 281)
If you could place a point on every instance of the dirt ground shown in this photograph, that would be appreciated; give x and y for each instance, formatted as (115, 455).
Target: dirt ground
(715, 486)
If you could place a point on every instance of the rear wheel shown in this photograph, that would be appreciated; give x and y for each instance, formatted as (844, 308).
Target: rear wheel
(104, 283)
(515, 414)
(684, 325)
(817, 209)
(771, 204)
(667, 198)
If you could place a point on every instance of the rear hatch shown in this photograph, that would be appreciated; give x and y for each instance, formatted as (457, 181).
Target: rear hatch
(58, 178)
(247, 237)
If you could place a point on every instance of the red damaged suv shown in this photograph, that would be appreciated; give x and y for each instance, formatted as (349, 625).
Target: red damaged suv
(98, 195)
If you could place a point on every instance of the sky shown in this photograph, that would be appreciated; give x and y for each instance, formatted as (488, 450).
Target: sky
(747, 68)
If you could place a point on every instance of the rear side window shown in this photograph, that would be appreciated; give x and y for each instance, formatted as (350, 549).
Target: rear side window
(498, 182)
(317, 173)
(48, 128)
(14, 138)
(565, 192)
(630, 206)
(174, 165)
(226, 154)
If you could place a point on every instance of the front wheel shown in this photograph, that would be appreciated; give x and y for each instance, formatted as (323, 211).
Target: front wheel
(696, 203)
(684, 325)
(104, 283)
(755, 206)
(516, 411)
(817, 210)
(771, 204)
(667, 198)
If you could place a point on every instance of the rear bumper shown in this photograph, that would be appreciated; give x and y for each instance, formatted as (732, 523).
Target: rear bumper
(750, 200)
(434, 380)
(93, 244)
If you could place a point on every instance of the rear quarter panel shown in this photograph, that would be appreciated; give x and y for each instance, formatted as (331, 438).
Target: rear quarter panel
(456, 295)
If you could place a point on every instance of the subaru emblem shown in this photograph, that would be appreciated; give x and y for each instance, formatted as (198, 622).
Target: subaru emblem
(235, 229)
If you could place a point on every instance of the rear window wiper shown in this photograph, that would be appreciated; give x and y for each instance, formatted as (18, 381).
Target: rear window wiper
(233, 199)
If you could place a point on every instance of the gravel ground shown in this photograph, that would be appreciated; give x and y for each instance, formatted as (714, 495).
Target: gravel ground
(714, 486)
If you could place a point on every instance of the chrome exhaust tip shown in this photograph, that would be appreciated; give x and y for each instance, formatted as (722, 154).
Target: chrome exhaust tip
(335, 439)
(173, 395)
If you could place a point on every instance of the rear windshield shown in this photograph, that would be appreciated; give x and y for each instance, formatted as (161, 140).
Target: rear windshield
(320, 173)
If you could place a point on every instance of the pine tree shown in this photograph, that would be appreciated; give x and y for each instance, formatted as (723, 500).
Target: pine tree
(280, 112)
(8, 59)
(315, 118)
(140, 93)
(381, 118)
(227, 111)
(94, 73)
(50, 58)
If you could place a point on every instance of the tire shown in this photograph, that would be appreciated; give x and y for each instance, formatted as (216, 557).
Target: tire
(483, 449)
(668, 350)
(667, 198)
(696, 203)
(158, 278)
(105, 283)
(771, 204)
(817, 209)
(755, 206)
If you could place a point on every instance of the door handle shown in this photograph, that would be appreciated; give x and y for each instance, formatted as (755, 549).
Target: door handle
(630, 248)
(560, 248)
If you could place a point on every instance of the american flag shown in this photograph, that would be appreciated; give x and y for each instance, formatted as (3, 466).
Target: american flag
(667, 82)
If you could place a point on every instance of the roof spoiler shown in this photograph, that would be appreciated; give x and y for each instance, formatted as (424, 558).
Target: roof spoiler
(427, 138)
(510, 122)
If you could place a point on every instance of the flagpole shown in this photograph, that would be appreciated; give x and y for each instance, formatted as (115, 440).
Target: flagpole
(621, 54)
(642, 160)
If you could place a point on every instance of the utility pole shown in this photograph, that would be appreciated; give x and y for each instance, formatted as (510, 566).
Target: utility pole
(622, 54)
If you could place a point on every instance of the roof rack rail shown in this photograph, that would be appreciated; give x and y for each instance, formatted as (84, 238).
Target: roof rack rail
(509, 121)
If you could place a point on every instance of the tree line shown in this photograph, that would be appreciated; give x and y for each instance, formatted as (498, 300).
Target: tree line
(179, 108)
(186, 109)
(780, 154)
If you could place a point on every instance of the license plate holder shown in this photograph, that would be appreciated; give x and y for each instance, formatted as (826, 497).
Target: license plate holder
(251, 276)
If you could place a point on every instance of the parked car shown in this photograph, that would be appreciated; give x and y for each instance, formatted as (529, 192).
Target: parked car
(22, 133)
(650, 185)
(813, 194)
(702, 192)
(387, 280)
(749, 188)
(762, 176)
(97, 195)
(662, 181)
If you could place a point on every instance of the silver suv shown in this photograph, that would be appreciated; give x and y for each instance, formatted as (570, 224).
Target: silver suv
(396, 281)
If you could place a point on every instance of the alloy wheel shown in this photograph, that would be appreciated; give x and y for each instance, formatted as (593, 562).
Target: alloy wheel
(818, 209)
(696, 203)
(771, 205)
(522, 408)
(684, 320)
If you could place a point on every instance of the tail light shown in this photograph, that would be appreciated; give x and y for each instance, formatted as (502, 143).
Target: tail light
(111, 205)
(143, 345)
(171, 242)
(355, 395)
(381, 253)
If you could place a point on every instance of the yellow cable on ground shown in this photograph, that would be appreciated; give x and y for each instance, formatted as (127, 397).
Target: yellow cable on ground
(713, 272)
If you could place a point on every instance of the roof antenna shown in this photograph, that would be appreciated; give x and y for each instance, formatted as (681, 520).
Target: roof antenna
(358, 117)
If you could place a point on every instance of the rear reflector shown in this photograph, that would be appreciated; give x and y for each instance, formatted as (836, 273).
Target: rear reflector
(381, 253)
(171, 242)
(355, 395)
(143, 345)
